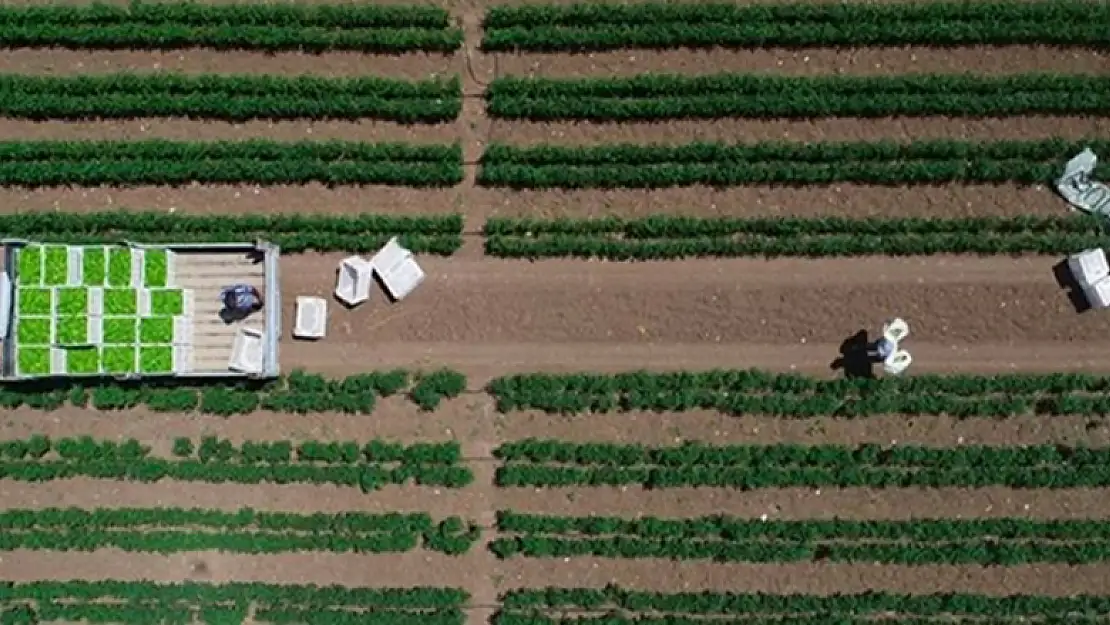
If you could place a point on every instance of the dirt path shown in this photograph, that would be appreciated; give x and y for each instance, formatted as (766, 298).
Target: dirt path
(751, 307)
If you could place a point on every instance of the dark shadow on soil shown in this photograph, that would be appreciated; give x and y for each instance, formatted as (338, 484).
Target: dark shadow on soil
(1068, 283)
(854, 358)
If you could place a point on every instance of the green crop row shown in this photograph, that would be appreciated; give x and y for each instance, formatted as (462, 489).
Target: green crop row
(438, 234)
(614, 238)
(170, 530)
(790, 395)
(158, 162)
(135, 603)
(604, 26)
(271, 28)
(552, 463)
(531, 603)
(648, 97)
(723, 165)
(1004, 542)
(729, 391)
(296, 393)
(228, 98)
(667, 237)
(367, 466)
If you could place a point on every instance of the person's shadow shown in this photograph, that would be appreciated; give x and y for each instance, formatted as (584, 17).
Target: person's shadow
(854, 358)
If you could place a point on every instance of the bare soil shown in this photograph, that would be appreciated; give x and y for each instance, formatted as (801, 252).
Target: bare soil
(488, 318)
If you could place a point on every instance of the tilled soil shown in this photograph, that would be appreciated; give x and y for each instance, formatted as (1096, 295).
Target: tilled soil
(488, 318)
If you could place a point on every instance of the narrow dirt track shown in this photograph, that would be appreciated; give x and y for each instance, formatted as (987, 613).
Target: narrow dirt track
(900, 130)
(186, 130)
(847, 200)
(803, 62)
(58, 62)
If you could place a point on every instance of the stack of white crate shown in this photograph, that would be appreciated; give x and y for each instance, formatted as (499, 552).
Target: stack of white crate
(1092, 273)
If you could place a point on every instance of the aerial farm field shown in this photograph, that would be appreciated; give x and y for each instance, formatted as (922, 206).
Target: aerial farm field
(647, 231)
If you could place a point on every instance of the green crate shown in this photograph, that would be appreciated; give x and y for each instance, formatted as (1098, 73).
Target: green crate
(29, 262)
(156, 359)
(73, 330)
(119, 359)
(156, 269)
(34, 331)
(72, 301)
(119, 267)
(119, 331)
(38, 302)
(121, 301)
(33, 360)
(167, 302)
(94, 266)
(83, 361)
(156, 330)
(56, 266)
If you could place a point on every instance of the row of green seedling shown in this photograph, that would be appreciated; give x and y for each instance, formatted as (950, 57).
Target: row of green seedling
(591, 26)
(386, 29)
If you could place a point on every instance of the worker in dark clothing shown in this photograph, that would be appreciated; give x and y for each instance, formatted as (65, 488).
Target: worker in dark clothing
(241, 300)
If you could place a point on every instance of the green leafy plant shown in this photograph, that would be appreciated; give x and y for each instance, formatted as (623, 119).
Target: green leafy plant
(160, 162)
(55, 265)
(33, 360)
(562, 606)
(754, 392)
(229, 98)
(132, 603)
(119, 330)
(991, 542)
(342, 463)
(155, 268)
(73, 330)
(383, 29)
(35, 302)
(157, 330)
(121, 301)
(723, 165)
(431, 388)
(666, 96)
(34, 331)
(167, 303)
(602, 26)
(362, 232)
(299, 393)
(155, 359)
(667, 236)
(83, 361)
(552, 463)
(29, 262)
(72, 301)
(94, 265)
(174, 530)
(117, 359)
(119, 269)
